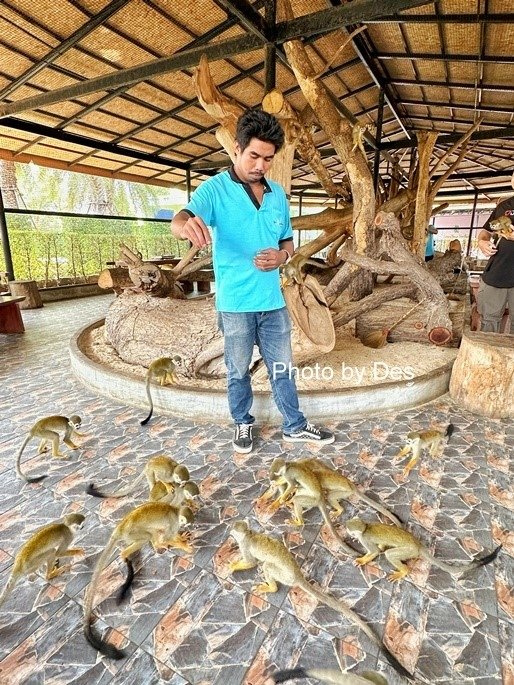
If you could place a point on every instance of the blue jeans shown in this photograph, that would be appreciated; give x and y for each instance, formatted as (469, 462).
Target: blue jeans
(271, 332)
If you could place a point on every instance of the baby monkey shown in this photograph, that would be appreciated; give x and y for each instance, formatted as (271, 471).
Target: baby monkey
(331, 676)
(501, 228)
(45, 547)
(184, 494)
(279, 566)
(154, 522)
(160, 469)
(163, 370)
(399, 545)
(47, 430)
(417, 441)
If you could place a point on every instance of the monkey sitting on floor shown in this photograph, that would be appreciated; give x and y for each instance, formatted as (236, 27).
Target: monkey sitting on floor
(398, 545)
(154, 522)
(417, 441)
(44, 548)
(279, 566)
(48, 429)
(162, 369)
(184, 494)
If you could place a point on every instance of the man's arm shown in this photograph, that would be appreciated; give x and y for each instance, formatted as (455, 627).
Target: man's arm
(287, 246)
(484, 243)
(189, 227)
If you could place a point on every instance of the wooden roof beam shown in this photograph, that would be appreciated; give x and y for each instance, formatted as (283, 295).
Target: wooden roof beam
(501, 88)
(65, 136)
(430, 56)
(507, 132)
(75, 37)
(489, 18)
(311, 24)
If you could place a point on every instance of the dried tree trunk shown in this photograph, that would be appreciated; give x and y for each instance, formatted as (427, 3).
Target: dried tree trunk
(275, 103)
(339, 133)
(426, 143)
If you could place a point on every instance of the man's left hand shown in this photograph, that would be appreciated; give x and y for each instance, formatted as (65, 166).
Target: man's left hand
(269, 259)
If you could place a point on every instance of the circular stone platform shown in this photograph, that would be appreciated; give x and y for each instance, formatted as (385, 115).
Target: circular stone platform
(350, 382)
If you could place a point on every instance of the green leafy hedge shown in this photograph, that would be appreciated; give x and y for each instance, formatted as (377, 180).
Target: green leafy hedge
(51, 254)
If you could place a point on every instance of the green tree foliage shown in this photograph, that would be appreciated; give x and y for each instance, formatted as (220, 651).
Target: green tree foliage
(52, 249)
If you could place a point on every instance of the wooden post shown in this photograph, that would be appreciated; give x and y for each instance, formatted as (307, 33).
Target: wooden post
(482, 378)
(28, 290)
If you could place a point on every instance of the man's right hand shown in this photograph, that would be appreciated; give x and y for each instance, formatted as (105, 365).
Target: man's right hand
(193, 229)
(487, 247)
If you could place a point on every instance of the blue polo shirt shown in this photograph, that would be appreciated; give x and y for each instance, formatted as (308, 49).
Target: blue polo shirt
(240, 228)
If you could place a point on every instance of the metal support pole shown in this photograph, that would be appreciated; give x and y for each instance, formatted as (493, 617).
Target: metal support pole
(188, 183)
(4, 237)
(376, 160)
(472, 225)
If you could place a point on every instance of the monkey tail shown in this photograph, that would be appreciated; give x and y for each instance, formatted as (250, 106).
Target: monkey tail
(291, 674)
(94, 640)
(380, 508)
(330, 676)
(449, 431)
(342, 608)
(347, 548)
(28, 479)
(93, 490)
(122, 592)
(481, 561)
(9, 586)
(149, 395)
(461, 570)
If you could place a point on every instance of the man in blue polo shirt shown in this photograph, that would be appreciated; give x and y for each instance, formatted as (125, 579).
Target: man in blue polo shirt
(252, 237)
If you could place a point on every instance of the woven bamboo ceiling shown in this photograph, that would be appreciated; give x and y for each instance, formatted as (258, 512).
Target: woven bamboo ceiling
(106, 87)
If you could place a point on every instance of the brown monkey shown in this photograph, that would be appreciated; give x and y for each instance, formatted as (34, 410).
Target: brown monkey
(279, 566)
(399, 545)
(162, 369)
(48, 429)
(45, 547)
(154, 522)
(159, 469)
(417, 441)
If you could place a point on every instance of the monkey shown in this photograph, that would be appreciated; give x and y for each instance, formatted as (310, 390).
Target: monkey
(47, 429)
(157, 469)
(417, 441)
(337, 487)
(331, 676)
(399, 545)
(501, 228)
(358, 132)
(163, 369)
(185, 494)
(292, 270)
(305, 488)
(154, 522)
(279, 566)
(45, 546)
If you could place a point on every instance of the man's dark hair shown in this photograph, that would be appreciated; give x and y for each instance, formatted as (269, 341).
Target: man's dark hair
(255, 123)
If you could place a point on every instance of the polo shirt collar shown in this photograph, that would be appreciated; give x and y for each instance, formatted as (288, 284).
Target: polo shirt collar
(236, 179)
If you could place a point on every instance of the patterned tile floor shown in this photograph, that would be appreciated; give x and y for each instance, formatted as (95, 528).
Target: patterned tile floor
(188, 619)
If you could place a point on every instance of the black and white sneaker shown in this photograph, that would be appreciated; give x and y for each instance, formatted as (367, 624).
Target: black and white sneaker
(310, 434)
(243, 438)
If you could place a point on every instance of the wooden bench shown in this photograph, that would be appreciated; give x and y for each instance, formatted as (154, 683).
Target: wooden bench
(10, 315)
